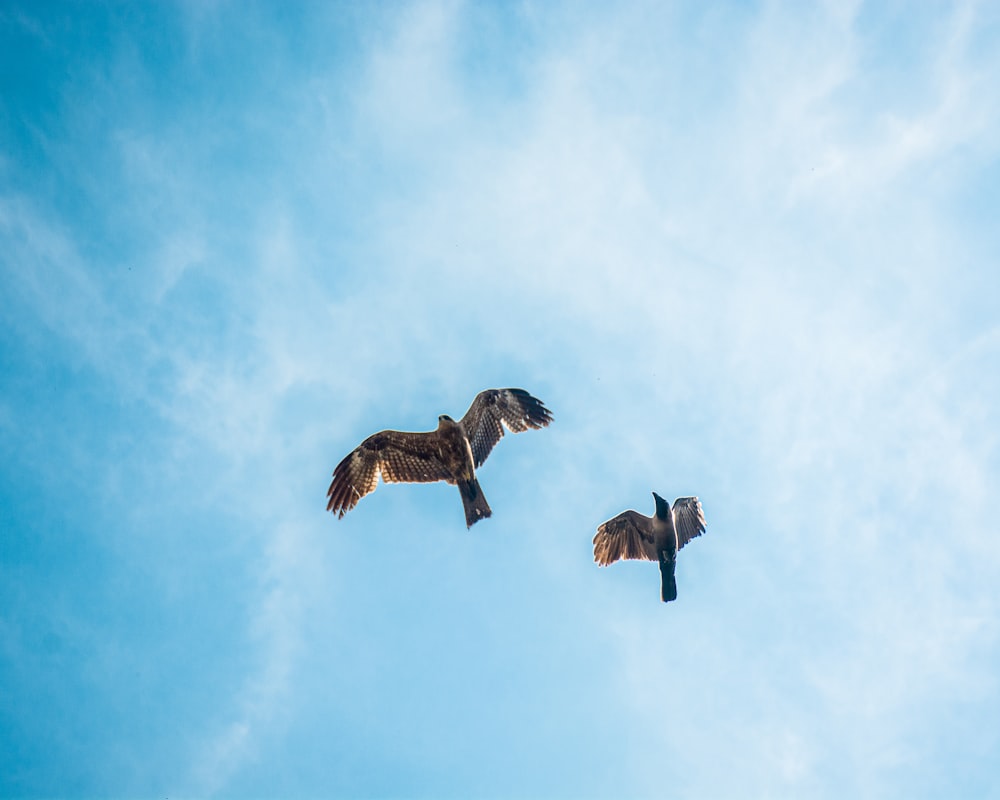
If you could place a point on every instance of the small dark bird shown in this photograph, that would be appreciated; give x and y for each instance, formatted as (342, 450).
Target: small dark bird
(656, 538)
(451, 453)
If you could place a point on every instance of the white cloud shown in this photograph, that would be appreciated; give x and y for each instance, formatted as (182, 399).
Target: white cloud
(723, 308)
(290, 575)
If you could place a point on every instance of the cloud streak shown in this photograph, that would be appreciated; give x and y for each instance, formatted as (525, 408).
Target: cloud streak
(762, 299)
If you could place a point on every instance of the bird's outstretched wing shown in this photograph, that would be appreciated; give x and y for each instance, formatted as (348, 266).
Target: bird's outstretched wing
(494, 409)
(398, 456)
(689, 519)
(628, 535)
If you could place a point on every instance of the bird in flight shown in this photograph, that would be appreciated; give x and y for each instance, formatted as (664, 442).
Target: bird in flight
(451, 453)
(656, 538)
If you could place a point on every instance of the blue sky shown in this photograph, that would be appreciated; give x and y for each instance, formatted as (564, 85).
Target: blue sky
(748, 252)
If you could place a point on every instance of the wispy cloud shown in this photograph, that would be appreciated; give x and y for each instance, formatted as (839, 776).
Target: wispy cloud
(719, 244)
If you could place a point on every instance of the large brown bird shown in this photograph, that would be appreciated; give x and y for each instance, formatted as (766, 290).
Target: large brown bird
(451, 453)
(656, 538)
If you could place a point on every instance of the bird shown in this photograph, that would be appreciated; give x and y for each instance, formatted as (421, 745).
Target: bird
(656, 538)
(452, 453)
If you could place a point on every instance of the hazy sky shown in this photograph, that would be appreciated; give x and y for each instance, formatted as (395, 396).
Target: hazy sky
(747, 251)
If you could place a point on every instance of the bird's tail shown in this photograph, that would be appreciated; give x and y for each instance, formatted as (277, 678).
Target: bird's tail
(668, 584)
(476, 507)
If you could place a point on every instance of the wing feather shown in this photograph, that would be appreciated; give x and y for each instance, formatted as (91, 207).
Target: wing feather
(629, 535)
(689, 519)
(495, 409)
(398, 456)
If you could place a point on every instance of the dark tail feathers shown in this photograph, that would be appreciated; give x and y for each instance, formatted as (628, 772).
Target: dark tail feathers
(668, 585)
(476, 507)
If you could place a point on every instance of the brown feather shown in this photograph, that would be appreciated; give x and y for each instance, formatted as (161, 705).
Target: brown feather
(451, 453)
(495, 409)
(398, 456)
(689, 519)
(626, 536)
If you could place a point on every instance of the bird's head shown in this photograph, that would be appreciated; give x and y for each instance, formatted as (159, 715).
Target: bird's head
(444, 419)
(662, 506)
